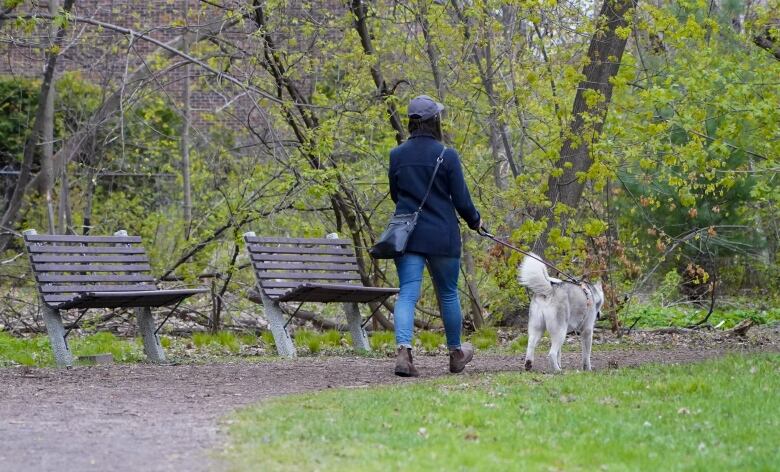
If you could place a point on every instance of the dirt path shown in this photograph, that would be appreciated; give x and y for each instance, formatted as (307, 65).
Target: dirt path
(165, 418)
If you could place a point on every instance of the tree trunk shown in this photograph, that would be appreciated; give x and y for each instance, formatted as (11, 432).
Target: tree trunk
(766, 40)
(47, 133)
(604, 55)
(86, 133)
(430, 48)
(499, 132)
(469, 274)
(468, 260)
(65, 217)
(185, 135)
(360, 12)
(8, 219)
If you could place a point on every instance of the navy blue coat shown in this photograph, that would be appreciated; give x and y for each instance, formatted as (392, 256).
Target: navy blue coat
(411, 166)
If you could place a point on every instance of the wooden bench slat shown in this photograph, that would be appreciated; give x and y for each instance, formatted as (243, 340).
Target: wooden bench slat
(122, 298)
(300, 250)
(65, 238)
(337, 293)
(310, 269)
(48, 288)
(295, 283)
(52, 298)
(52, 249)
(90, 258)
(304, 266)
(92, 268)
(278, 240)
(268, 275)
(95, 278)
(345, 259)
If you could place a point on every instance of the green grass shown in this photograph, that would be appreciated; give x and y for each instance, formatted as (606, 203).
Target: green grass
(308, 339)
(33, 351)
(267, 339)
(430, 340)
(332, 338)
(519, 345)
(36, 351)
(716, 415)
(314, 342)
(382, 341)
(654, 316)
(123, 350)
(485, 338)
(223, 340)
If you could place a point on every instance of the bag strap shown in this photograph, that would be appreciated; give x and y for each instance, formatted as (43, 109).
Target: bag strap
(439, 160)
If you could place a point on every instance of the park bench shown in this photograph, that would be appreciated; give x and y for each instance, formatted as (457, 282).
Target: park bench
(83, 272)
(304, 270)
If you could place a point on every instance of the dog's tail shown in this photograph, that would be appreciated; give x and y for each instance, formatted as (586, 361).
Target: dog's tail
(533, 275)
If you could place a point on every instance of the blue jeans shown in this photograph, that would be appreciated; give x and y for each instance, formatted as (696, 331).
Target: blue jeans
(444, 272)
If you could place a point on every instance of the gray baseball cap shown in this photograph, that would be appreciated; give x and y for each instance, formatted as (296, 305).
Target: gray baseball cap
(424, 107)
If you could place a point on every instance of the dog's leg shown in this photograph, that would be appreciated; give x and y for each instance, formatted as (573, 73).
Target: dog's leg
(557, 337)
(535, 332)
(587, 343)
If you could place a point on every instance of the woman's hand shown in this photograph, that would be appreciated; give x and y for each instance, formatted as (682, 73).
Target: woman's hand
(481, 228)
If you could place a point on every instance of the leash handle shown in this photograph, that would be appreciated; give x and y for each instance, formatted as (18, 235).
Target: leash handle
(482, 231)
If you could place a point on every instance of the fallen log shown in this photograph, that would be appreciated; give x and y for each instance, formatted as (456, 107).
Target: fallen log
(742, 327)
(312, 317)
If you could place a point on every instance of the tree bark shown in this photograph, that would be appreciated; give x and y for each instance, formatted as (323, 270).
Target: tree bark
(185, 135)
(603, 60)
(47, 133)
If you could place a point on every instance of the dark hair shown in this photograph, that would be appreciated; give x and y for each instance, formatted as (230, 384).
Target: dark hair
(430, 126)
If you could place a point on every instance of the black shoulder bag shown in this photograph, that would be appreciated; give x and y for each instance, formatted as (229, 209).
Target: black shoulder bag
(392, 242)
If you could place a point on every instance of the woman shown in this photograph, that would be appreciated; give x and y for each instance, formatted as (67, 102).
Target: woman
(435, 241)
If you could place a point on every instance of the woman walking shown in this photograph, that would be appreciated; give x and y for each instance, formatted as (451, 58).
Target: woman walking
(435, 241)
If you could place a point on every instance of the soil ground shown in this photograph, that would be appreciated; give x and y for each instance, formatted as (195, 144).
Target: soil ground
(170, 418)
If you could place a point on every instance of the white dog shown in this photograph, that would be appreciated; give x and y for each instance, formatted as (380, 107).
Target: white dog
(559, 307)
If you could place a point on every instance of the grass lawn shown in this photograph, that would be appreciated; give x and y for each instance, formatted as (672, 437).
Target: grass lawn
(718, 415)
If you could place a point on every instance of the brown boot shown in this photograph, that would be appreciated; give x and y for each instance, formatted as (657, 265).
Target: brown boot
(460, 357)
(404, 367)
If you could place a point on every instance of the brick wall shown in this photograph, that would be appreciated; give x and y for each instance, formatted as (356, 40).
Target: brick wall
(102, 56)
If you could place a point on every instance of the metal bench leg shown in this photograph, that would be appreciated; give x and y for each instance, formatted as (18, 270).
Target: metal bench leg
(275, 317)
(354, 320)
(152, 348)
(56, 330)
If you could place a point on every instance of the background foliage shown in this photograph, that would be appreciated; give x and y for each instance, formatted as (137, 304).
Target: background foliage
(684, 174)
